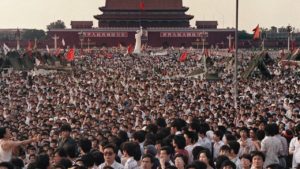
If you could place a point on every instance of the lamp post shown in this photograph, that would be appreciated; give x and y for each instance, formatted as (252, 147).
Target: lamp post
(81, 38)
(18, 37)
(203, 53)
(289, 29)
(236, 54)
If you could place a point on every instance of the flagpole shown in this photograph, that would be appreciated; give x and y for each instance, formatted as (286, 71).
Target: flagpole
(236, 54)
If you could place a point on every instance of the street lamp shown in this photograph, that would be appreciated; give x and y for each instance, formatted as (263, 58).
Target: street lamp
(289, 29)
(81, 38)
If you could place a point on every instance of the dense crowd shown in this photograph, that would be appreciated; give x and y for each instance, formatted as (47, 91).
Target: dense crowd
(145, 112)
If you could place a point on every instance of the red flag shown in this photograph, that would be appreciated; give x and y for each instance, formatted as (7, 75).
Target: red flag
(29, 49)
(231, 48)
(206, 53)
(142, 5)
(294, 46)
(256, 32)
(129, 49)
(183, 57)
(70, 55)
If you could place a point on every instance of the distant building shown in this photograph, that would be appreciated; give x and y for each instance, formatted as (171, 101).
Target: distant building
(81, 24)
(165, 23)
(155, 13)
(207, 24)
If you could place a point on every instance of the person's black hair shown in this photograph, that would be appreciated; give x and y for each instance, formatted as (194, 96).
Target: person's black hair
(274, 166)
(58, 166)
(192, 135)
(246, 156)
(2, 132)
(42, 161)
(170, 167)
(123, 136)
(65, 127)
(208, 155)
(230, 137)
(245, 129)
(178, 124)
(190, 166)
(196, 152)
(225, 148)
(148, 156)
(161, 122)
(112, 146)
(257, 153)
(219, 160)
(61, 152)
(235, 146)
(65, 162)
(260, 134)
(87, 160)
(18, 163)
(71, 150)
(132, 149)
(204, 127)
(228, 163)
(85, 145)
(218, 134)
(184, 158)
(195, 125)
(98, 157)
(276, 129)
(32, 165)
(139, 136)
(270, 129)
(167, 149)
(6, 165)
(151, 128)
(179, 141)
(199, 164)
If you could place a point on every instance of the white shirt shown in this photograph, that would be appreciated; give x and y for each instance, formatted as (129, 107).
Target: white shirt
(131, 164)
(114, 165)
(295, 146)
(204, 142)
(189, 149)
(272, 147)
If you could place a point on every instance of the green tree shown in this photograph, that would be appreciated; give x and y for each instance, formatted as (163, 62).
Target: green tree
(31, 34)
(243, 35)
(59, 24)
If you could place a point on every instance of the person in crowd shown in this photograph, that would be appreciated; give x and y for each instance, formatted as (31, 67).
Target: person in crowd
(110, 152)
(7, 144)
(257, 160)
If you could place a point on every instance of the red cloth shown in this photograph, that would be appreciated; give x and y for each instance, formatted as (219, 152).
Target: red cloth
(256, 32)
(183, 57)
(129, 49)
(70, 55)
(142, 5)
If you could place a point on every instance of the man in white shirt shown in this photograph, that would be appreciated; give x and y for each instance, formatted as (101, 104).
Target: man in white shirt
(271, 146)
(109, 153)
(294, 148)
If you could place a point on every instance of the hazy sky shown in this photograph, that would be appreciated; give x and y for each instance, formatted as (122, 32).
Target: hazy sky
(39, 13)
